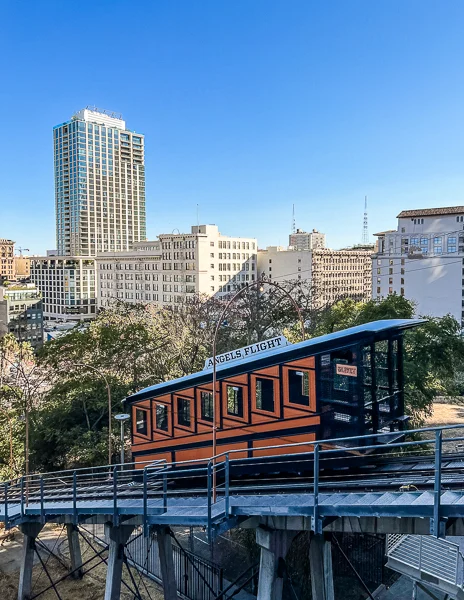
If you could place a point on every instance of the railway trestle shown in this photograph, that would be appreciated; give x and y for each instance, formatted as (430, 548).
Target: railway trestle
(159, 496)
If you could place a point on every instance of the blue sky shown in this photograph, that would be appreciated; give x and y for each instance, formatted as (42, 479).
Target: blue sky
(248, 106)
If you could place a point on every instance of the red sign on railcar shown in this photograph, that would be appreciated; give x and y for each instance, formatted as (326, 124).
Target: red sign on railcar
(348, 370)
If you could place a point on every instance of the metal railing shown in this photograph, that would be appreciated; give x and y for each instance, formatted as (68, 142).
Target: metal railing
(196, 577)
(439, 558)
(154, 488)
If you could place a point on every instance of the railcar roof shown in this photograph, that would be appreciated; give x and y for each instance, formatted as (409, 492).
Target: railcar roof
(269, 358)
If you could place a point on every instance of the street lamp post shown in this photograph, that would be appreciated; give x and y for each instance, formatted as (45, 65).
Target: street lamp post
(108, 390)
(259, 283)
(122, 418)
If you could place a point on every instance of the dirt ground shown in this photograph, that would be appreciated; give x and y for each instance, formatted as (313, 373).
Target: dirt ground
(91, 587)
(448, 414)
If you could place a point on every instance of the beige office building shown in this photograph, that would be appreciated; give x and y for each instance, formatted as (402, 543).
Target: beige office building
(331, 274)
(176, 267)
(22, 267)
(7, 263)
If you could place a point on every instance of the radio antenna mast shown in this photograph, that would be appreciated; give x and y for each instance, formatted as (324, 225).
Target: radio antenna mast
(293, 220)
(365, 234)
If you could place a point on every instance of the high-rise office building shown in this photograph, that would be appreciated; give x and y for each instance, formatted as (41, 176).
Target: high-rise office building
(100, 207)
(99, 184)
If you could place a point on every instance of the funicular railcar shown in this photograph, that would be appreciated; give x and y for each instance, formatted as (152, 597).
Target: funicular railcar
(348, 383)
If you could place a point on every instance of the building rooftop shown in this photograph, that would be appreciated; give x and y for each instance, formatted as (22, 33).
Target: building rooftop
(385, 232)
(432, 212)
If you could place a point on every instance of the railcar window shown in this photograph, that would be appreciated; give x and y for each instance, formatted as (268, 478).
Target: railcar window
(162, 417)
(341, 382)
(298, 382)
(206, 406)
(183, 412)
(235, 400)
(141, 421)
(265, 394)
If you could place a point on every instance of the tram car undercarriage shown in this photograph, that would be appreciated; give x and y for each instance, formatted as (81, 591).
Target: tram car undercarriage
(271, 394)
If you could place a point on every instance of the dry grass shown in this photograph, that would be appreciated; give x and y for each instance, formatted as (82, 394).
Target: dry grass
(91, 587)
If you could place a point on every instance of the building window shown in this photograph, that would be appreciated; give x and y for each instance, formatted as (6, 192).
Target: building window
(265, 394)
(183, 412)
(235, 400)
(206, 402)
(141, 421)
(162, 417)
(298, 384)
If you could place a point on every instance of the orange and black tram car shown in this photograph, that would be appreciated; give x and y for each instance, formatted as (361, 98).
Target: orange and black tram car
(348, 383)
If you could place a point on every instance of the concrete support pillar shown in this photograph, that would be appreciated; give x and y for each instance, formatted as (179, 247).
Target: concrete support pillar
(117, 538)
(168, 577)
(74, 550)
(30, 531)
(274, 547)
(320, 564)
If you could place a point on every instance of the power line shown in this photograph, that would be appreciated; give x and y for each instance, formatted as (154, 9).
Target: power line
(378, 275)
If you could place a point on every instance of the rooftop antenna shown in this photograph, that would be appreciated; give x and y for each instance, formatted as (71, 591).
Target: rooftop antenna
(293, 220)
(198, 217)
(365, 234)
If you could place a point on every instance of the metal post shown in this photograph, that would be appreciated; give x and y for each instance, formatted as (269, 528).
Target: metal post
(145, 504)
(6, 504)
(420, 553)
(165, 491)
(226, 486)
(209, 499)
(42, 509)
(316, 524)
(122, 442)
(115, 497)
(437, 485)
(22, 498)
(75, 498)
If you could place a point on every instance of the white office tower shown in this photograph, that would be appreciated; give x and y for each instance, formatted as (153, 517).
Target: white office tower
(99, 184)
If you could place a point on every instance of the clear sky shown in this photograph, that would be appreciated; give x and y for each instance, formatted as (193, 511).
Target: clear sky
(248, 106)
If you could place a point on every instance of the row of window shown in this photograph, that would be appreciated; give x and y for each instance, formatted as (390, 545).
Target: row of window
(298, 382)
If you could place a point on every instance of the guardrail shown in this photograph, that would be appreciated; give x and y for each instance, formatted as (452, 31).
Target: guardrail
(209, 484)
(438, 558)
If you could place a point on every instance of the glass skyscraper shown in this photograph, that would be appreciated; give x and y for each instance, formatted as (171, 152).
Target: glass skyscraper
(99, 184)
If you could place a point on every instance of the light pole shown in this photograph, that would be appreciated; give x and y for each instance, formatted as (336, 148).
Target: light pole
(122, 417)
(108, 390)
(259, 283)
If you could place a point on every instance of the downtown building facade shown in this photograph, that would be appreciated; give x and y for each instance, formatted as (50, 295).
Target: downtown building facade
(7, 260)
(302, 240)
(423, 260)
(99, 170)
(177, 267)
(331, 275)
(21, 312)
